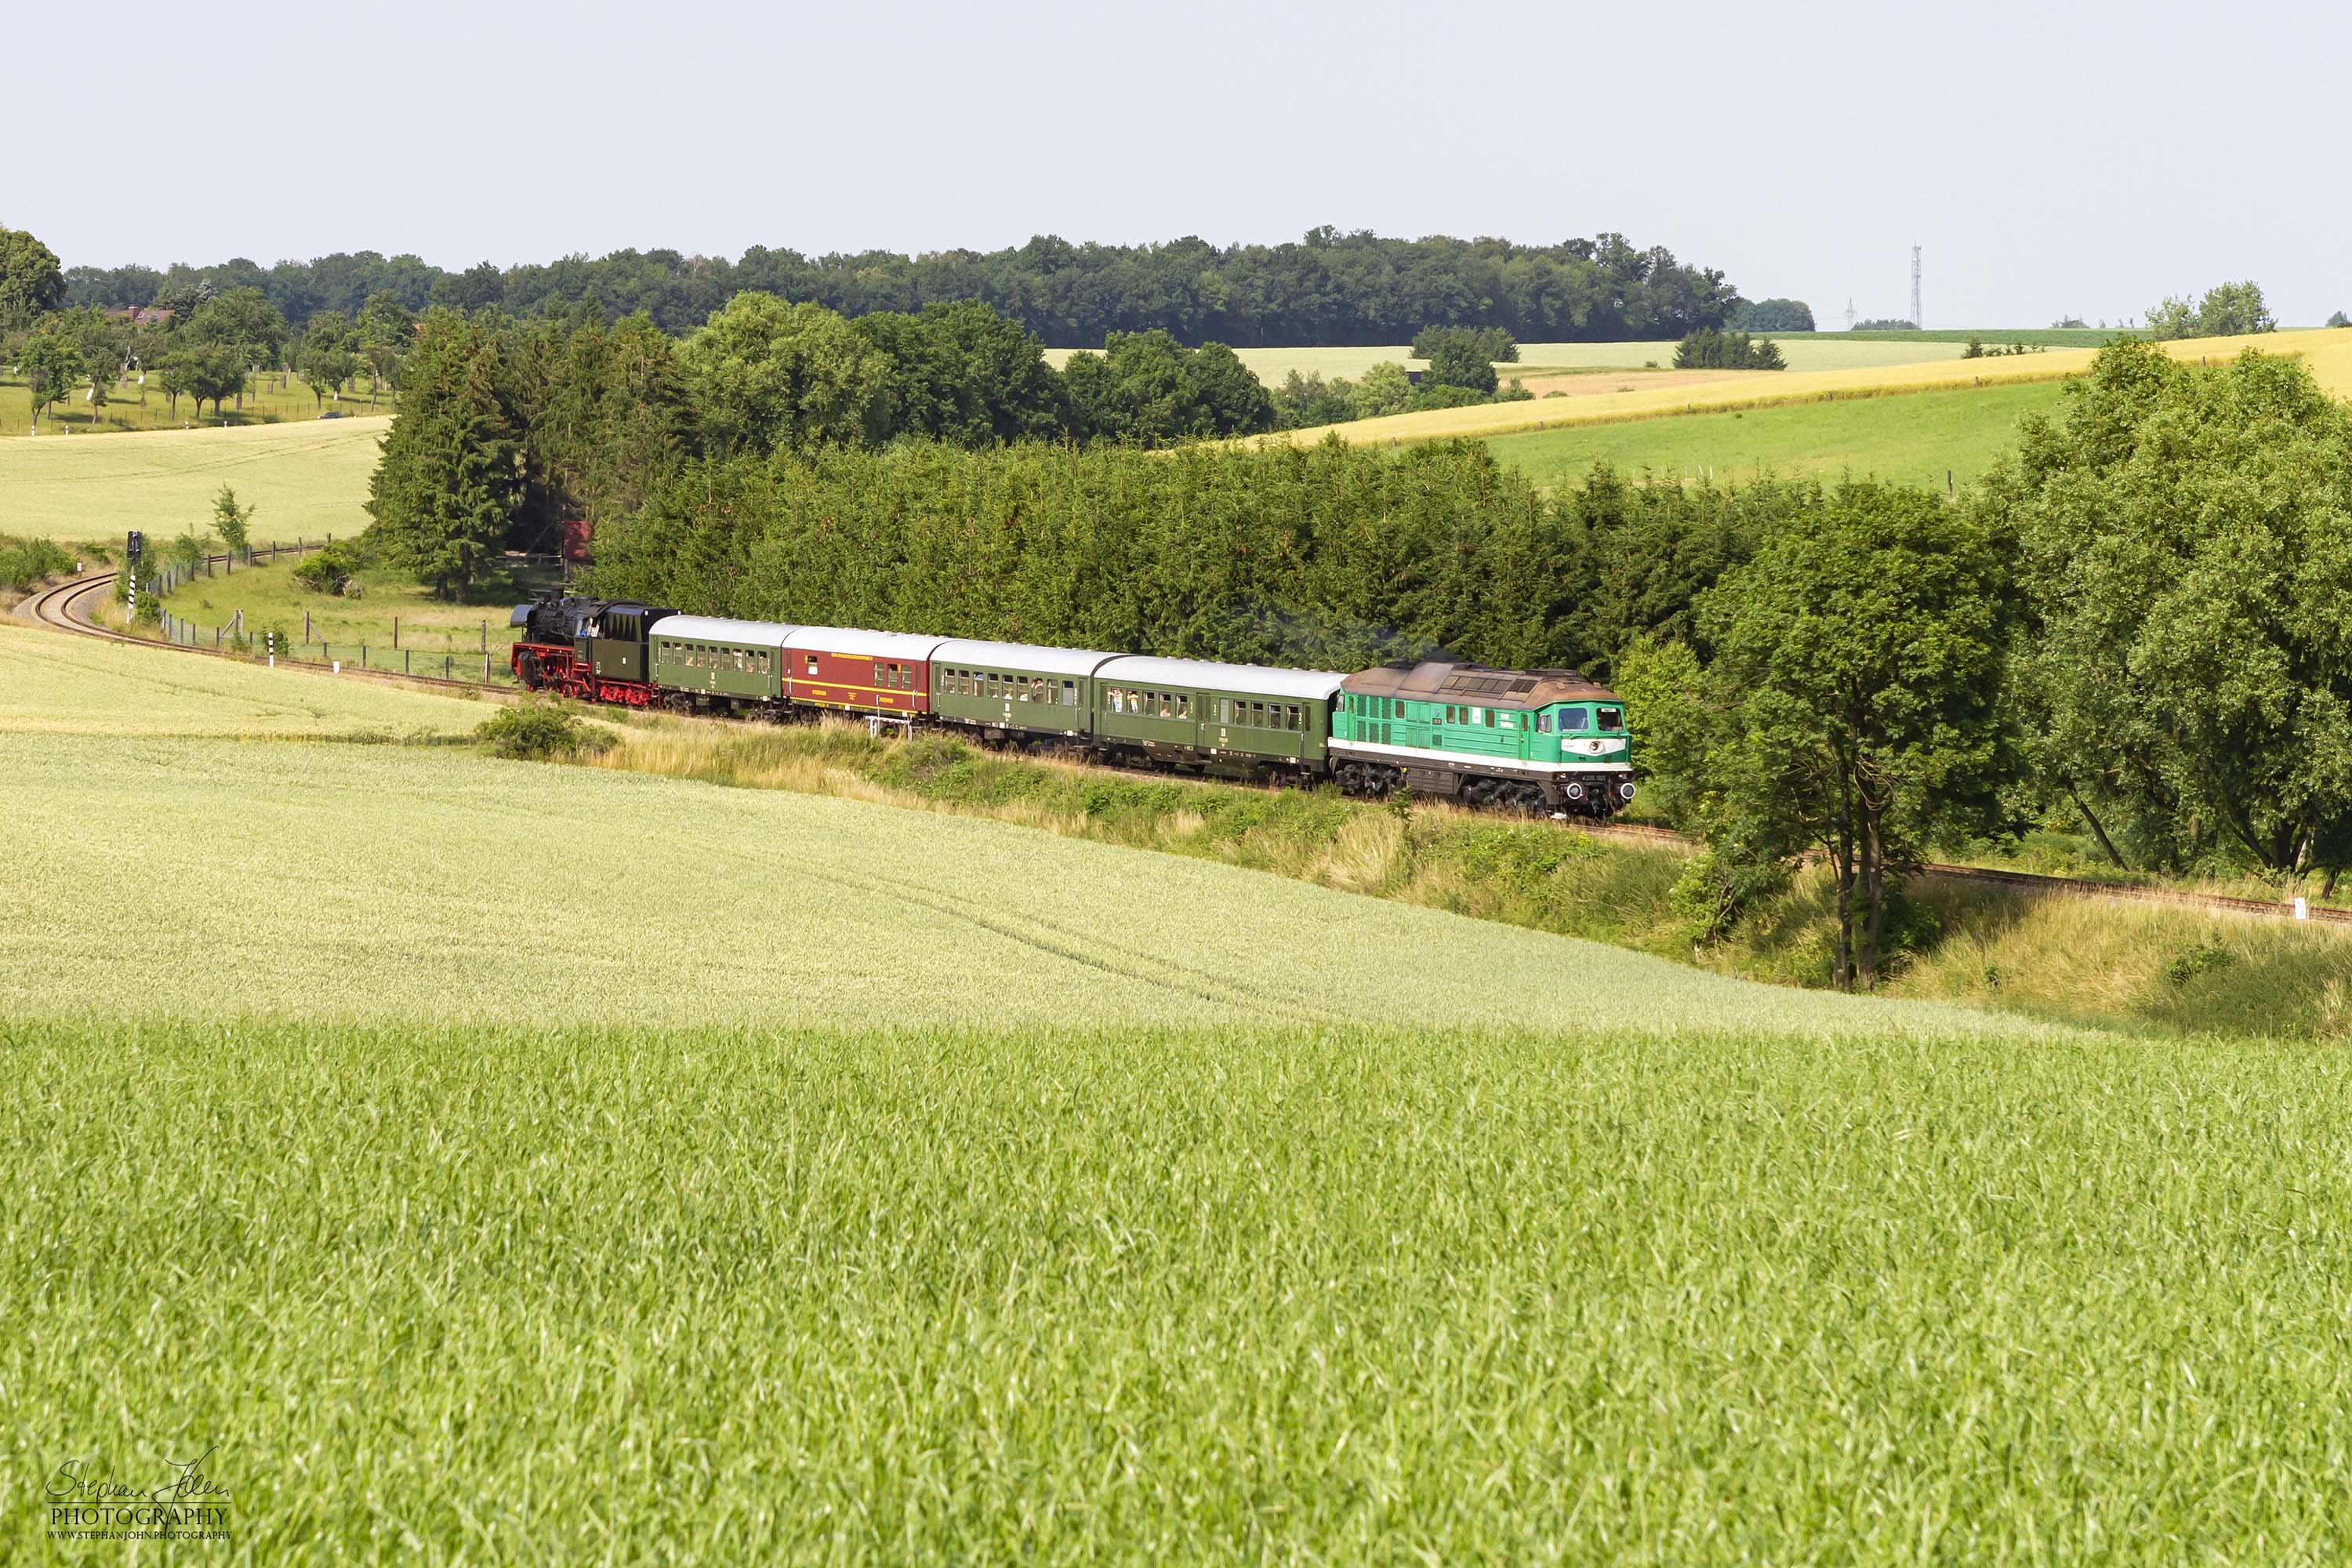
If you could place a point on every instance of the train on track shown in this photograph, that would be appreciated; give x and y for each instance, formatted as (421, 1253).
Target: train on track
(1531, 740)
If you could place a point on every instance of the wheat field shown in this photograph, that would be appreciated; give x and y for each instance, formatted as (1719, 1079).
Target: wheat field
(307, 480)
(2328, 353)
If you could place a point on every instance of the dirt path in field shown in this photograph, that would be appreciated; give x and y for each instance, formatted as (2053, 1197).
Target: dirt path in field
(1590, 384)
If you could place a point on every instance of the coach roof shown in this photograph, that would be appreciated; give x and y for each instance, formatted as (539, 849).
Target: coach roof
(1313, 684)
(716, 628)
(1018, 656)
(860, 642)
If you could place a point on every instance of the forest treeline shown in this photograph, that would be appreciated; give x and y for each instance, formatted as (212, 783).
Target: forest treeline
(1328, 287)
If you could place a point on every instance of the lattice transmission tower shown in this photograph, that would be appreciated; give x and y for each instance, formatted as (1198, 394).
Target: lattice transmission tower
(1915, 288)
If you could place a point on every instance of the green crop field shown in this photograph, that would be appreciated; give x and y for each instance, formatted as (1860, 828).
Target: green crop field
(1911, 438)
(504, 1162)
(307, 480)
(51, 684)
(2032, 337)
(270, 400)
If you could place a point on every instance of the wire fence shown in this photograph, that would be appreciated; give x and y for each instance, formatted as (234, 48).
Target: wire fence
(489, 662)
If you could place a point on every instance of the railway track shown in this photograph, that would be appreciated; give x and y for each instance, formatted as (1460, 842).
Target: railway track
(2034, 882)
(66, 608)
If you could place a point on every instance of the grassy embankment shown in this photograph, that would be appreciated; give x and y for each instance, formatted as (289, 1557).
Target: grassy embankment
(270, 400)
(2068, 959)
(803, 1177)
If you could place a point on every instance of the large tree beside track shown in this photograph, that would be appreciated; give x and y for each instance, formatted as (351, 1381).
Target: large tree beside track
(1851, 706)
(2184, 542)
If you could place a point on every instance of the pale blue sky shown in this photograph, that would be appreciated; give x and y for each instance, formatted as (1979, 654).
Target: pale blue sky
(2082, 158)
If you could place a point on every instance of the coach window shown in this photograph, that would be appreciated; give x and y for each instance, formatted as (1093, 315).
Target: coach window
(1184, 706)
(812, 664)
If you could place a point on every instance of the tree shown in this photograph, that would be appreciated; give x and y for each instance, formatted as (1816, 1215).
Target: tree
(242, 319)
(477, 288)
(1460, 360)
(1384, 389)
(386, 329)
(2339, 319)
(2234, 309)
(1489, 343)
(1148, 388)
(767, 376)
(2228, 310)
(450, 481)
(1303, 402)
(209, 373)
(2187, 671)
(1226, 396)
(31, 285)
(1710, 350)
(1886, 324)
(1854, 702)
(233, 519)
(326, 356)
(959, 371)
(1773, 316)
(52, 363)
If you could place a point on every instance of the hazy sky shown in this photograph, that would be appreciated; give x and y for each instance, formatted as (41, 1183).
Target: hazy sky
(2052, 160)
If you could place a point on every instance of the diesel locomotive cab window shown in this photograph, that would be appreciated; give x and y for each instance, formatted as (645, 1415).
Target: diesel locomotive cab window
(1612, 719)
(1574, 719)
(1543, 723)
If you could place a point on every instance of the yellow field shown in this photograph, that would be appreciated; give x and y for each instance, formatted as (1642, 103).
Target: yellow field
(307, 479)
(1272, 365)
(2327, 352)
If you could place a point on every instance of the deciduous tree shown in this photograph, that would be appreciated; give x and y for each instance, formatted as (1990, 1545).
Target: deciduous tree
(766, 376)
(2186, 559)
(1854, 701)
(31, 285)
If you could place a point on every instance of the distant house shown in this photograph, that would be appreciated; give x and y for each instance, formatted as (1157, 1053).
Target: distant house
(143, 315)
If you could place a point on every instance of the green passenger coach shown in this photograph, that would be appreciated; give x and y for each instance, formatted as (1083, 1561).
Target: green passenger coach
(1531, 739)
(1236, 720)
(712, 662)
(1014, 688)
